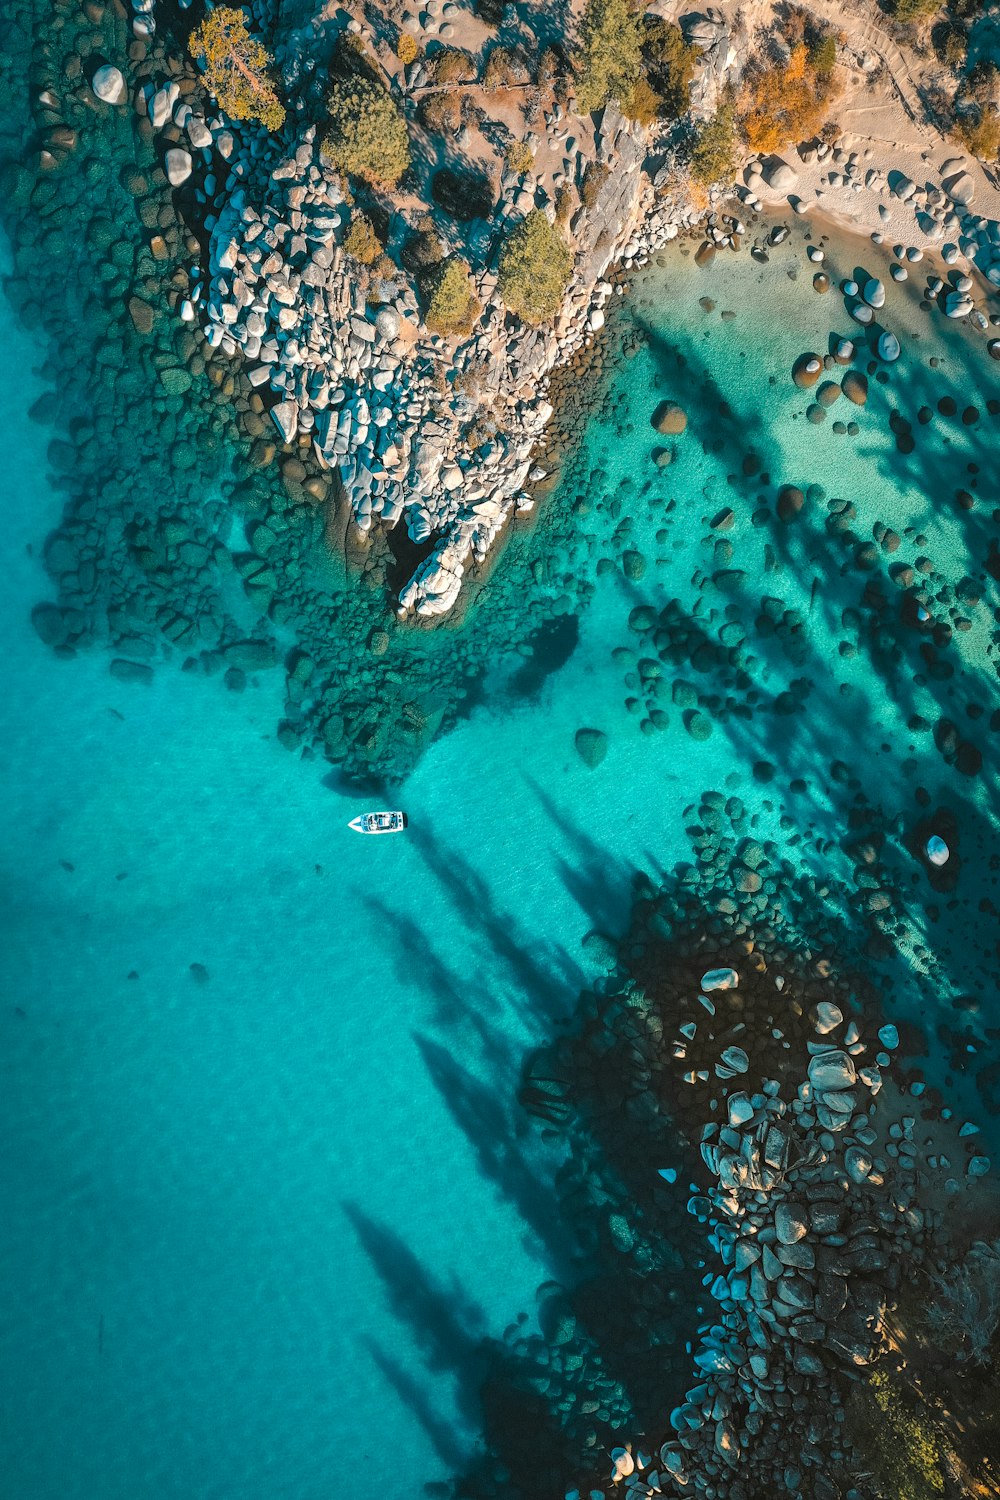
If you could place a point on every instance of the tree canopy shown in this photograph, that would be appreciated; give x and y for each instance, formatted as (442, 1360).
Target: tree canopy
(366, 135)
(671, 62)
(454, 306)
(611, 53)
(786, 103)
(714, 153)
(236, 65)
(916, 10)
(535, 266)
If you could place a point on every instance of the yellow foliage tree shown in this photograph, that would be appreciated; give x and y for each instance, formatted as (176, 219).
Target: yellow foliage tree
(785, 103)
(406, 49)
(236, 67)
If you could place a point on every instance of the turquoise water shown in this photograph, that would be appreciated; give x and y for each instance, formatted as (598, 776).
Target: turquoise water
(260, 1212)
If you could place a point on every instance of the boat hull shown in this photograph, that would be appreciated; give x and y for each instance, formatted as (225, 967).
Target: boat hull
(378, 822)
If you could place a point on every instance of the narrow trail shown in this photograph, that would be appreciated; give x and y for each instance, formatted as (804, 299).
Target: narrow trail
(867, 33)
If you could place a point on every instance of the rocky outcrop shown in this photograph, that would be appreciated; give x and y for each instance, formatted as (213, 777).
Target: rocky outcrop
(354, 370)
(810, 1224)
(719, 63)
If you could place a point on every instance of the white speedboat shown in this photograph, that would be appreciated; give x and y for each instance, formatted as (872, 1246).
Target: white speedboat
(378, 822)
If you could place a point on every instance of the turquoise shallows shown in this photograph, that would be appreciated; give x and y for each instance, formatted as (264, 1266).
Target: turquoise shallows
(258, 1213)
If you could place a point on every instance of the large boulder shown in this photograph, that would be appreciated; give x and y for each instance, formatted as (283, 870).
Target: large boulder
(855, 387)
(670, 419)
(779, 176)
(790, 502)
(252, 656)
(108, 85)
(791, 1223)
(832, 1071)
(961, 189)
(807, 370)
(131, 671)
(178, 165)
(888, 347)
(874, 292)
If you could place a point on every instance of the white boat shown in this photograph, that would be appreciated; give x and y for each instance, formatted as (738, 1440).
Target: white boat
(378, 822)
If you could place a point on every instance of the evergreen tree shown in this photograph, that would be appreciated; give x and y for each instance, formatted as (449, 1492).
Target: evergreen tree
(236, 65)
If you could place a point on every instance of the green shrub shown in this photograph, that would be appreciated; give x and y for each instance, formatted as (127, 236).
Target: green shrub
(980, 134)
(954, 49)
(454, 307)
(894, 1438)
(441, 113)
(535, 266)
(366, 135)
(611, 55)
(550, 66)
(451, 66)
(916, 10)
(502, 69)
(422, 252)
(671, 62)
(520, 157)
(566, 202)
(361, 242)
(236, 67)
(714, 153)
(464, 195)
(641, 103)
(823, 55)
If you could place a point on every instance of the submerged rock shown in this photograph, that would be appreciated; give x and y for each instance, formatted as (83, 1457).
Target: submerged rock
(131, 671)
(790, 502)
(855, 387)
(937, 850)
(591, 746)
(888, 347)
(670, 419)
(807, 370)
(178, 166)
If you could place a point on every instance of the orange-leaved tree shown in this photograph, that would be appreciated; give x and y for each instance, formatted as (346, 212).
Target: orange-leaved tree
(236, 67)
(785, 103)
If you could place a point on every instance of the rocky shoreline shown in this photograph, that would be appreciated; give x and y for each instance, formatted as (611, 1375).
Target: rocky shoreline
(351, 380)
(217, 542)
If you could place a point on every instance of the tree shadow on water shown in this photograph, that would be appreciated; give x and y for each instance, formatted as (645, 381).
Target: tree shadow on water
(447, 1326)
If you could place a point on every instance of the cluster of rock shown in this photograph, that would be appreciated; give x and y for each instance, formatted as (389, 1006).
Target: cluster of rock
(350, 368)
(810, 1220)
(942, 215)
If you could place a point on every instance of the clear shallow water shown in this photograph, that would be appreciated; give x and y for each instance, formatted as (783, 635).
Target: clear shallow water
(258, 1222)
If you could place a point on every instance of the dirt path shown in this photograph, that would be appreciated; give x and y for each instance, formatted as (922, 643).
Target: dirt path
(865, 32)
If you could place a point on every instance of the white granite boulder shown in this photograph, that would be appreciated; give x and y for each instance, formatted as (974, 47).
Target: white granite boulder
(961, 188)
(779, 176)
(177, 165)
(108, 84)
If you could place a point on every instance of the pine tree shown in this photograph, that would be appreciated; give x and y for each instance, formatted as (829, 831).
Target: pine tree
(236, 67)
